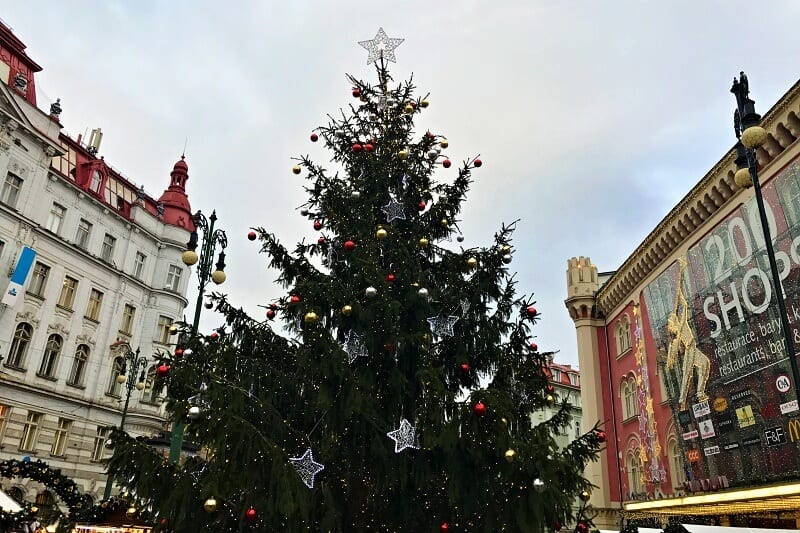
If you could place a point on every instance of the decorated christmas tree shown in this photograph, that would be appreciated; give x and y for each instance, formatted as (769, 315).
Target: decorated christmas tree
(391, 389)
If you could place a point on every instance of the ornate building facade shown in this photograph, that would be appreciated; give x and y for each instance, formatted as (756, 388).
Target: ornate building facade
(685, 353)
(94, 271)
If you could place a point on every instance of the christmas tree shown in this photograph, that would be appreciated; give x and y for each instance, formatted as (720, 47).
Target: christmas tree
(391, 388)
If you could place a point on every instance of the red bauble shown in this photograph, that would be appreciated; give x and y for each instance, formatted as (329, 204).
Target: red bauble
(557, 526)
(357, 147)
(582, 527)
(477, 162)
(314, 137)
(464, 367)
(317, 225)
(369, 147)
(444, 528)
(390, 277)
(479, 409)
(534, 347)
(164, 521)
(178, 352)
(601, 435)
(430, 135)
(388, 347)
(349, 245)
(356, 92)
(446, 163)
(294, 299)
(162, 370)
(321, 240)
(550, 389)
(273, 306)
(531, 310)
(214, 335)
(251, 514)
(421, 205)
(270, 314)
(251, 235)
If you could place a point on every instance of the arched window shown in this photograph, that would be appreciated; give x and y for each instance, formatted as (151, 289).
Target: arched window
(152, 386)
(623, 335)
(676, 463)
(95, 182)
(19, 344)
(635, 471)
(50, 357)
(79, 365)
(17, 494)
(116, 370)
(627, 392)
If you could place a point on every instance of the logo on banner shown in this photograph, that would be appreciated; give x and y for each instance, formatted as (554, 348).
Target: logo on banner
(689, 435)
(701, 409)
(720, 404)
(706, 429)
(20, 276)
(711, 450)
(782, 383)
(775, 436)
(789, 407)
(741, 394)
(725, 423)
(693, 455)
(794, 429)
(731, 446)
(745, 416)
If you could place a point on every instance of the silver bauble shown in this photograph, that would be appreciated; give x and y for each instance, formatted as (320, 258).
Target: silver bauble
(507, 258)
(355, 195)
(433, 154)
(371, 292)
(203, 386)
(194, 413)
(423, 292)
(538, 485)
(187, 351)
(460, 238)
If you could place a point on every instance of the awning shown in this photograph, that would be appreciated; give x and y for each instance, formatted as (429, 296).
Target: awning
(8, 504)
(693, 528)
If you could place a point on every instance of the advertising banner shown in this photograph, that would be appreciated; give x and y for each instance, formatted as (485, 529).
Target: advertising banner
(19, 277)
(714, 320)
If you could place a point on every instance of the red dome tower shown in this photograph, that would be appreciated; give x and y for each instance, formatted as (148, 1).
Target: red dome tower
(177, 210)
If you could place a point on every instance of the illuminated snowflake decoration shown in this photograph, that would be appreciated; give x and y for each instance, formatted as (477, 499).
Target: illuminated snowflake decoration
(381, 47)
(306, 467)
(354, 347)
(394, 210)
(404, 437)
(442, 326)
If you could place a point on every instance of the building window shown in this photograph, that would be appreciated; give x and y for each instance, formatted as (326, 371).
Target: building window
(45, 500)
(623, 335)
(60, 439)
(82, 235)
(56, 218)
(93, 307)
(127, 319)
(5, 411)
(574, 380)
(50, 357)
(164, 323)
(11, 189)
(99, 444)
(2, 247)
(79, 365)
(152, 386)
(628, 395)
(107, 253)
(116, 369)
(635, 471)
(19, 345)
(676, 463)
(138, 265)
(68, 289)
(39, 280)
(577, 429)
(174, 278)
(96, 182)
(556, 375)
(30, 432)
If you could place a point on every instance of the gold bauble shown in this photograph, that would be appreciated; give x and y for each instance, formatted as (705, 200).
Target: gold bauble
(381, 234)
(189, 257)
(550, 399)
(585, 495)
(408, 109)
(210, 505)
(506, 249)
(472, 263)
(131, 512)
(504, 420)
(444, 143)
(445, 222)
(743, 178)
(423, 242)
(35, 509)
(311, 318)
(218, 277)
(173, 329)
(510, 455)
(403, 153)
(424, 103)
(296, 169)
(754, 136)
(347, 310)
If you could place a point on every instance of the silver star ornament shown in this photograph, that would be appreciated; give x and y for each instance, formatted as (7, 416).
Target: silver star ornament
(394, 210)
(404, 437)
(442, 326)
(381, 47)
(306, 467)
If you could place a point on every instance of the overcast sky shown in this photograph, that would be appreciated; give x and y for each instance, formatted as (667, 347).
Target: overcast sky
(592, 118)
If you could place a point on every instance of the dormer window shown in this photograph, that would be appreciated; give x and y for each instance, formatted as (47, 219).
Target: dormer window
(95, 182)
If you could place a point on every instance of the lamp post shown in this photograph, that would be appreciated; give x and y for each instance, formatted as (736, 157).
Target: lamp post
(133, 364)
(211, 238)
(750, 136)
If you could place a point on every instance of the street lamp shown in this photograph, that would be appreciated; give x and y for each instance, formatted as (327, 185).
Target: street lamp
(750, 136)
(211, 238)
(133, 363)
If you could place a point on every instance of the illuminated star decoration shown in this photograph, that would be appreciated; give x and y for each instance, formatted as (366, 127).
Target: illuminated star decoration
(307, 468)
(381, 47)
(442, 326)
(404, 437)
(393, 210)
(354, 347)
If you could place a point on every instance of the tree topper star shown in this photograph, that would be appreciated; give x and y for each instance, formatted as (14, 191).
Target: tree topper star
(393, 210)
(404, 437)
(306, 467)
(381, 47)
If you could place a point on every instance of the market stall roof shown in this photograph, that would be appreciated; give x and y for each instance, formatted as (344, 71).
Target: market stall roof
(694, 528)
(7, 503)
